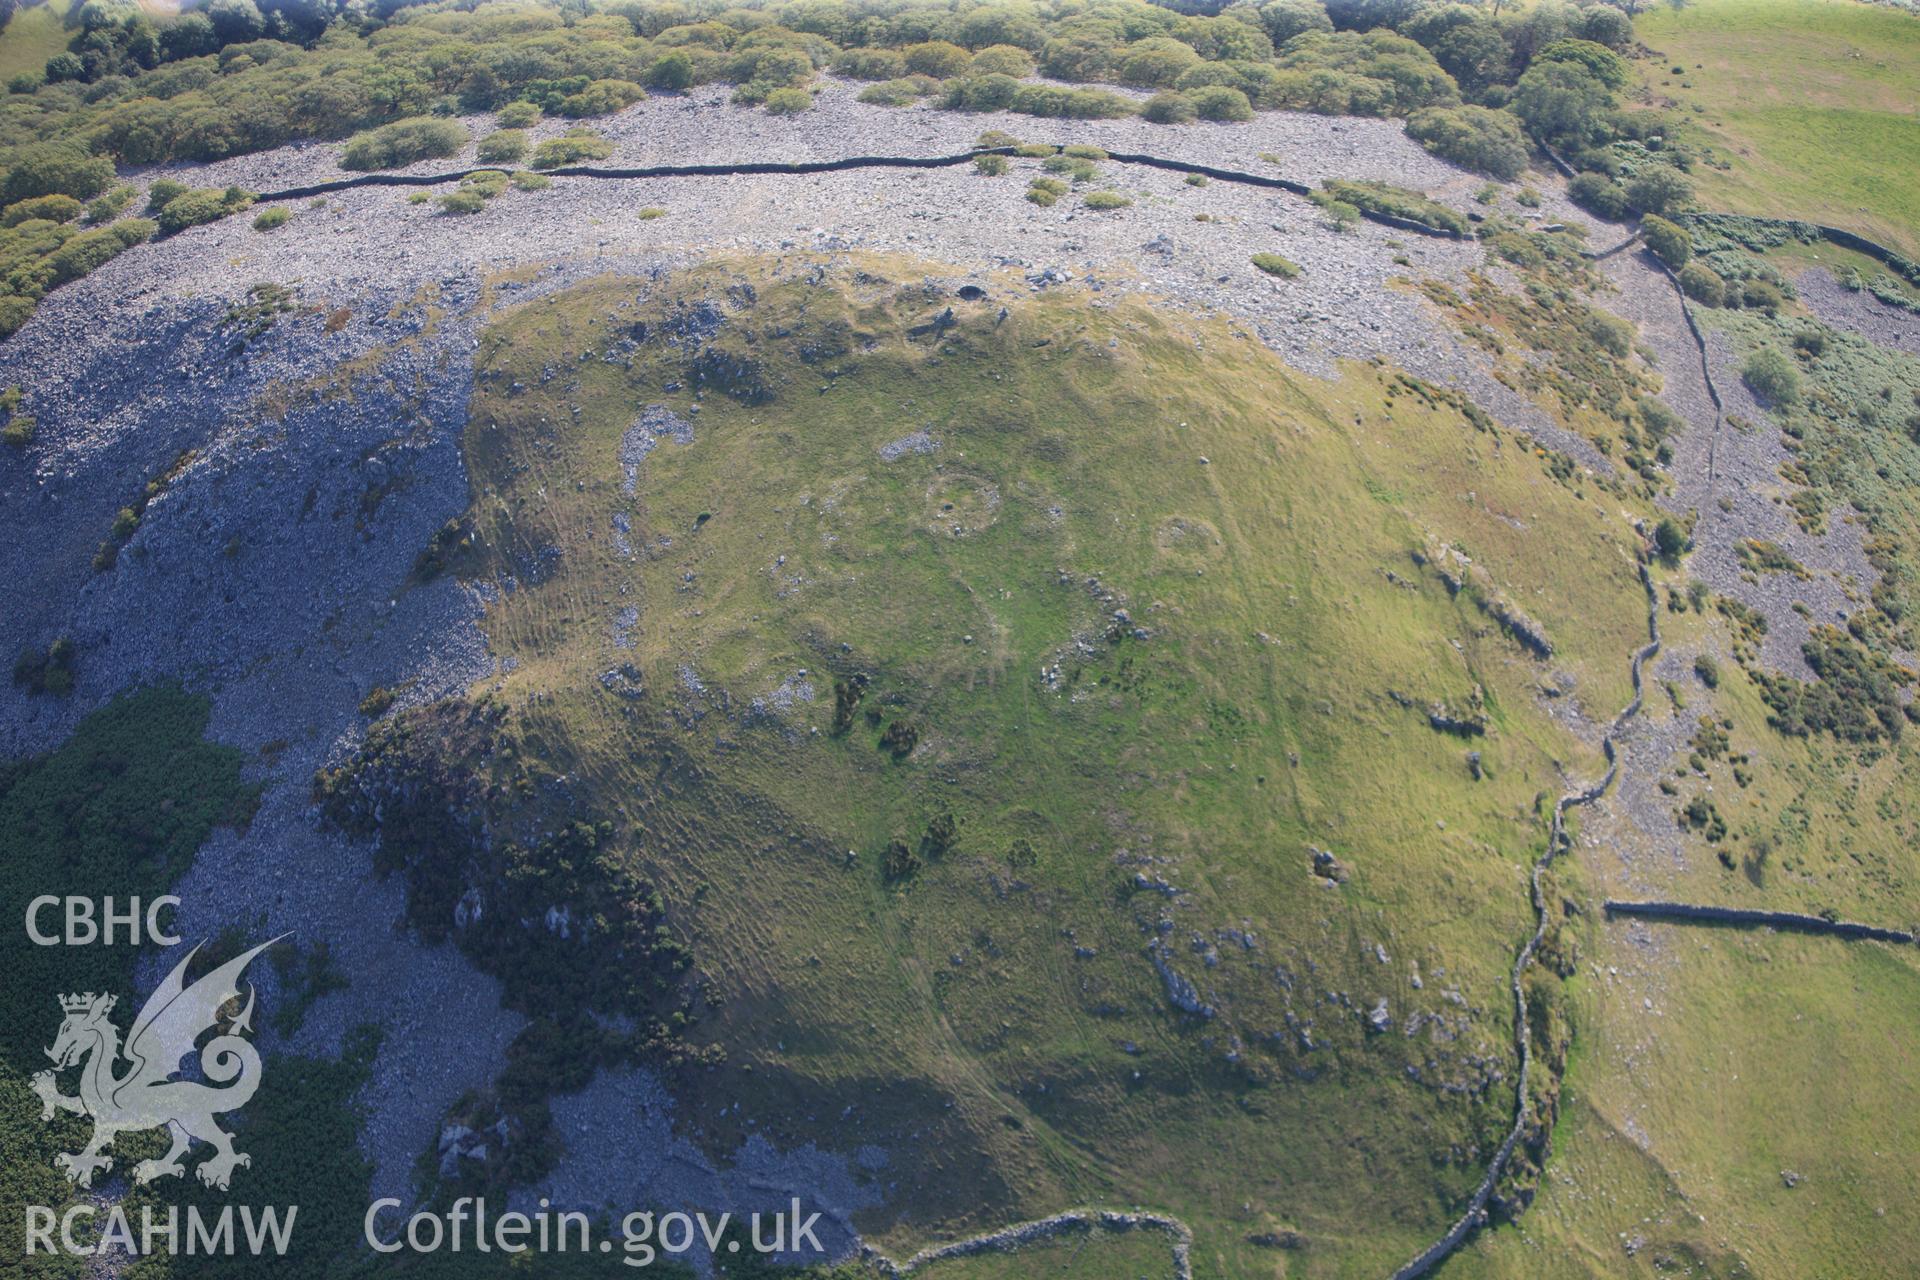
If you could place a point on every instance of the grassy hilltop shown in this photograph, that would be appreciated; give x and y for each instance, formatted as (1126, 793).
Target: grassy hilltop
(975, 640)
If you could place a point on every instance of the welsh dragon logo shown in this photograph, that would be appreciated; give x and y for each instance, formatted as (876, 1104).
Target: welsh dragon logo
(145, 1095)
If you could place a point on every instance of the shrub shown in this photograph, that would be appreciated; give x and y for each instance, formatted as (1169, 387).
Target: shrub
(54, 169)
(1076, 168)
(464, 201)
(1772, 377)
(1156, 62)
(1669, 241)
(531, 181)
(48, 670)
(1707, 670)
(107, 207)
(199, 206)
(869, 64)
(982, 93)
(938, 58)
(1170, 108)
(1759, 295)
(1398, 202)
(600, 98)
(1002, 60)
(403, 142)
(519, 115)
(899, 93)
(1218, 102)
(504, 146)
(278, 216)
(670, 73)
(18, 433)
(1276, 265)
(989, 166)
(994, 138)
(651, 212)
(1659, 189)
(571, 148)
(1102, 200)
(1073, 104)
(1599, 195)
(14, 312)
(1609, 332)
(1699, 282)
(1813, 342)
(49, 208)
(1046, 191)
(1476, 138)
(162, 191)
(788, 102)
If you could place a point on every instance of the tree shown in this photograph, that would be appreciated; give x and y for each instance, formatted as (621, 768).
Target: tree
(1659, 189)
(1608, 67)
(1562, 102)
(1285, 19)
(1476, 55)
(1669, 539)
(65, 66)
(236, 21)
(188, 36)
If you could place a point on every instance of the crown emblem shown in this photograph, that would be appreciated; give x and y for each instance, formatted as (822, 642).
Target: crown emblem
(86, 1001)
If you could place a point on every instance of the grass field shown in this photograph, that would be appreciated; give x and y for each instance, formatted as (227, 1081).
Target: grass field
(1751, 1121)
(32, 36)
(993, 1017)
(1815, 104)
